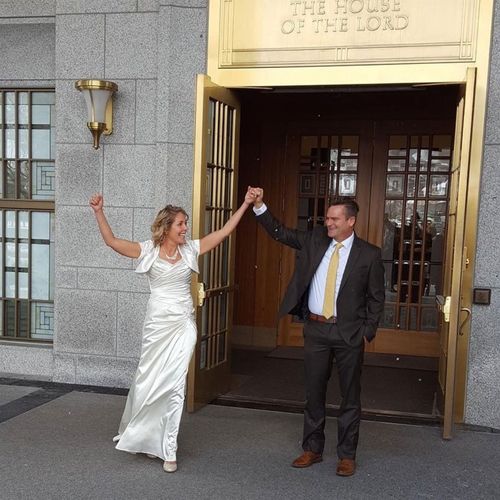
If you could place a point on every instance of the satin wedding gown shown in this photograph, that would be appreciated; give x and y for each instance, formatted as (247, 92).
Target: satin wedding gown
(151, 419)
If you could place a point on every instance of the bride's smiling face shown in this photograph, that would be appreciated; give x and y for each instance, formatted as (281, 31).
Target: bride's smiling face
(177, 232)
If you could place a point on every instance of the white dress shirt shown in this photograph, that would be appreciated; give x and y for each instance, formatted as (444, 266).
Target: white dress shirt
(318, 284)
(317, 289)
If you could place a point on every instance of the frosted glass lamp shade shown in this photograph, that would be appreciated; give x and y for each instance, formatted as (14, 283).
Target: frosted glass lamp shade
(98, 98)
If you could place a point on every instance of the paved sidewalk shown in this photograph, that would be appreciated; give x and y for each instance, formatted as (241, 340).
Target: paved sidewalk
(63, 450)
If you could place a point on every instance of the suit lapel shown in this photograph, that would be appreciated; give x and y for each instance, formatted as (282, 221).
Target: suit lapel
(351, 261)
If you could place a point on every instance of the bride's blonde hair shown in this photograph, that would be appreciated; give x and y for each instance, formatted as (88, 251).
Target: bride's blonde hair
(163, 222)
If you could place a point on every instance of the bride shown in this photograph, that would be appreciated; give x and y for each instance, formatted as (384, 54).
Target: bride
(150, 421)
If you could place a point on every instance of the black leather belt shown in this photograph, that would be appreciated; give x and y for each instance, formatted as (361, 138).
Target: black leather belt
(322, 319)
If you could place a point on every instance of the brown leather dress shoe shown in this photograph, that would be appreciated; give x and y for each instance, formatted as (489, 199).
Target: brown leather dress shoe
(307, 459)
(346, 467)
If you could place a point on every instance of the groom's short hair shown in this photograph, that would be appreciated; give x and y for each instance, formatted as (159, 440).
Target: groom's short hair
(351, 208)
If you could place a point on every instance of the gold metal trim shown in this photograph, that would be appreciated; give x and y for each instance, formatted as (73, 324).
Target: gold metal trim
(96, 84)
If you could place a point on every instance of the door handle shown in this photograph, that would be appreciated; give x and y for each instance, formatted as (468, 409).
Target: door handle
(444, 304)
(201, 294)
(469, 312)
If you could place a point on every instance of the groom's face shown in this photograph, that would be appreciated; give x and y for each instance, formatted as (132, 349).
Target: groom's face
(338, 224)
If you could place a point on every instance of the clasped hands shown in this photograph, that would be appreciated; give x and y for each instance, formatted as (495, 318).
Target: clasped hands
(254, 196)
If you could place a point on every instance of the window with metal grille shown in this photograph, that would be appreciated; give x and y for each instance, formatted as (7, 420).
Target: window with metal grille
(27, 189)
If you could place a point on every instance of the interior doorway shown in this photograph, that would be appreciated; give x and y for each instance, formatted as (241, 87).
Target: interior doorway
(390, 148)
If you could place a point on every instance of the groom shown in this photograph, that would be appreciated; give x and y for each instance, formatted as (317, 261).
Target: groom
(338, 290)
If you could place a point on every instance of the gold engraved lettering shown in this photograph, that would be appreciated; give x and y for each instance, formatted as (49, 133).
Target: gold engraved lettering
(368, 15)
(386, 23)
(356, 6)
(341, 7)
(368, 6)
(402, 22)
(372, 6)
(289, 26)
(295, 4)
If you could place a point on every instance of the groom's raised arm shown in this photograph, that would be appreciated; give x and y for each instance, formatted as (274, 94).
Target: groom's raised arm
(291, 237)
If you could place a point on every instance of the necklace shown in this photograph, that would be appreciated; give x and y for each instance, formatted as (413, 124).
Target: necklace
(171, 257)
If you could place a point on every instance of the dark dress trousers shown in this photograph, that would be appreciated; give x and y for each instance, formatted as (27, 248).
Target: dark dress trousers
(360, 303)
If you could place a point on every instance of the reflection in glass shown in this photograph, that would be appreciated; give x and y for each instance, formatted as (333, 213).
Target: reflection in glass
(396, 165)
(413, 159)
(424, 159)
(43, 98)
(429, 319)
(441, 145)
(221, 347)
(413, 318)
(397, 145)
(22, 114)
(40, 272)
(10, 284)
(422, 186)
(10, 254)
(10, 224)
(208, 186)
(210, 131)
(40, 144)
(347, 184)
(23, 256)
(23, 225)
(22, 291)
(410, 191)
(24, 180)
(40, 225)
(349, 164)
(10, 318)
(334, 153)
(42, 320)
(439, 185)
(395, 185)
(350, 145)
(43, 180)
(40, 115)
(10, 143)
(440, 165)
(22, 312)
(10, 179)
(203, 354)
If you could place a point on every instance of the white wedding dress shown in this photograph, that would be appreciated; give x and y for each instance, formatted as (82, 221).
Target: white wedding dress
(150, 421)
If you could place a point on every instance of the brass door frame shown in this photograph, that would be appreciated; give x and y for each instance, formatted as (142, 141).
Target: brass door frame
(204, 384)
(457, 295)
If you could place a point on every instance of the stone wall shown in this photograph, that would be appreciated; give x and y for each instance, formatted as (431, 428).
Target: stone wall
(483, 384)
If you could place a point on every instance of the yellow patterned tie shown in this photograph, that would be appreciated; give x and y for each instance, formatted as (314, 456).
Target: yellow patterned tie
(331, 283)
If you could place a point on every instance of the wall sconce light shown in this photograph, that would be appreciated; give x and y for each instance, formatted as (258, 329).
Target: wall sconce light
(97, 94)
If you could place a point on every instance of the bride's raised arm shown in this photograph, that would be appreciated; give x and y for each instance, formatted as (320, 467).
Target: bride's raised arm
(211, 240)
(124, 247)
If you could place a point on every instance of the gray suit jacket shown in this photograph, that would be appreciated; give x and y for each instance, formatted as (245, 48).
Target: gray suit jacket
(360, 301)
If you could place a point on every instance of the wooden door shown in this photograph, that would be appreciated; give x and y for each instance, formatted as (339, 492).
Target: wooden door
(321, 162)
(398, 171)
(409, 221)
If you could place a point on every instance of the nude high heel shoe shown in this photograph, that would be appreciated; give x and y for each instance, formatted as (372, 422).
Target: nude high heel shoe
(169, 466)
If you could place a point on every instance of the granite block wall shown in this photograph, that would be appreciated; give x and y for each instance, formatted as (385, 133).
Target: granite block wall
(483, 383)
